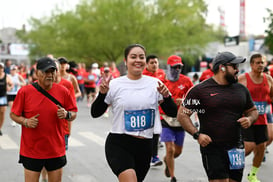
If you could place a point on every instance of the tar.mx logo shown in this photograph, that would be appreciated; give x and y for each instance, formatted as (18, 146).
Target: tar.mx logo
(192, 102)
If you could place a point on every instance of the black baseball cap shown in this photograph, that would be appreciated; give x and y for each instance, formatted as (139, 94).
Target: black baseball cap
(226, 57)
(46, 63)
(62, 60)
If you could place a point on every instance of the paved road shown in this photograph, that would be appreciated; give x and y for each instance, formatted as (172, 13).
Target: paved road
(86, 159)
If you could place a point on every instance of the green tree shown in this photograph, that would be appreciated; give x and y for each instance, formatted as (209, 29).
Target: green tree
(100, 29)
(269, 31)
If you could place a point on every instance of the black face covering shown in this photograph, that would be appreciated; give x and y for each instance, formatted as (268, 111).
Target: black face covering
(173, 72)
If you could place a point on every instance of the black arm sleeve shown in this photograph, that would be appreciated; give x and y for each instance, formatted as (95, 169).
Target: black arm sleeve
(98, 106)
(169, 107)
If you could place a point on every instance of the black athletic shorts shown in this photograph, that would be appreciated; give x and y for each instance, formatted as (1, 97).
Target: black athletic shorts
(11, 97)
(256, 133)
(127, 152)
(89, 90)
(37, 164)
(216, 163)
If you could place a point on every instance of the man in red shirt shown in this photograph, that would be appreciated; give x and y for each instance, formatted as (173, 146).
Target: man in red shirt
(42, 136)
(152, 68)
(172, 132)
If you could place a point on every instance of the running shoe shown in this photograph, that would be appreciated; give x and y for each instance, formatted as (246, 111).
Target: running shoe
(252, 178)
(167, 172)
(106, 115)
(173, 179)
(156, 161)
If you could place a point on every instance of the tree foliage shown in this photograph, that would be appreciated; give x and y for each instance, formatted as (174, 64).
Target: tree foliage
(269, 31)
(100, 29)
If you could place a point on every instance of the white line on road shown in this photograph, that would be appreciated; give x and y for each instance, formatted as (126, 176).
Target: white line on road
(83, 178)
(95, 138)
(7, 143)
(74, 142)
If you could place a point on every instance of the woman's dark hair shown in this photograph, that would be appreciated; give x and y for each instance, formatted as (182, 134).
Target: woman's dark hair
(130, 47)
(72, 67)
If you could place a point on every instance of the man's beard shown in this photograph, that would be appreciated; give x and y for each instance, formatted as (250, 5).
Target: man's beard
(231, 78)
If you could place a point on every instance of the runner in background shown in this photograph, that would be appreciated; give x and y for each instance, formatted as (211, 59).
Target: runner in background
(114, 70)
(260, 86)
(81, 71)
(18, 81)
(90, 86)
(207, 73)
(64, 66)
(5, 85)
(172, 133)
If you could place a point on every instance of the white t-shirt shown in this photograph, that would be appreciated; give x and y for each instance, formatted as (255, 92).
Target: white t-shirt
(16, 84)
(135, 102)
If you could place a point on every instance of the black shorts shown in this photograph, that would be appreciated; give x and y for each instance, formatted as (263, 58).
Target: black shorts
(11, 97)
(89, 90)
(216, 163)
(127, 152)
(256, 133)
(37, 164)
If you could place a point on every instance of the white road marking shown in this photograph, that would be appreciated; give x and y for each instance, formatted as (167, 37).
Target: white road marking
(7, 143)
(72, 142)
(93, 137)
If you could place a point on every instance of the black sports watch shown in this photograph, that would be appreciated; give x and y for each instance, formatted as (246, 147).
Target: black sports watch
(196, 135)
(68, 115)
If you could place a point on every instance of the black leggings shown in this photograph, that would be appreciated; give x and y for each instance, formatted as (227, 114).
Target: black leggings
(155, 145)
(127, 152)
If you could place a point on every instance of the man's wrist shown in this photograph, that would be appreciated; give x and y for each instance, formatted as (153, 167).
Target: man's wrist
(68, 115)
(196, 135)
(25, 123)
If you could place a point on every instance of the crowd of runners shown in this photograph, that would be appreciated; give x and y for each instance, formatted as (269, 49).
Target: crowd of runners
(150, 106)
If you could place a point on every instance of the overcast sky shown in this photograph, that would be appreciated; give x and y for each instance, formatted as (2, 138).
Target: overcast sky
(14, 13)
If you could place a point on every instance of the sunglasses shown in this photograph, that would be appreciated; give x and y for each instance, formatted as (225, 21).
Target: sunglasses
(235, 66)
(177, 67)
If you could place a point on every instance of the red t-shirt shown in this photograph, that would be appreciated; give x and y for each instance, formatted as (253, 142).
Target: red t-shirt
(178, 88)
(115, 73)
(259, 93)
(47, 139)
(90, 80)
(160, 74)
(205, 75)
(67, 84)
(80, 76)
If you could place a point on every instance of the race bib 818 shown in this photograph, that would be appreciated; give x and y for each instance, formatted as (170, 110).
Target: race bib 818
(139, 120)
